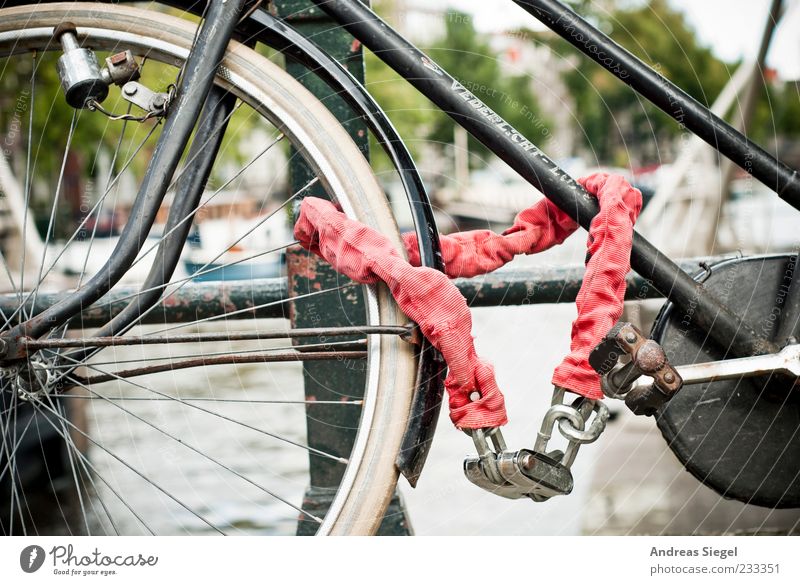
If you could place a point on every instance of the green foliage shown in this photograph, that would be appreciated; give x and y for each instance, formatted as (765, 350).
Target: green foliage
(615, 122)
(612, 117)
(466, 55)
(410, 112)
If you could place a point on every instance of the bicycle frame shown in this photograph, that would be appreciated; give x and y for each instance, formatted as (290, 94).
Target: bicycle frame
(534, 166)
(485, 125)
(539, 170)
(197, 81)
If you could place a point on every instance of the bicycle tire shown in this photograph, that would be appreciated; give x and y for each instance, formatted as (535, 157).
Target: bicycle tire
(370, 477)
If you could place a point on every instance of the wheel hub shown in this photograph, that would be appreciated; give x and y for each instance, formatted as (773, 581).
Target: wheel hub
(33, 380)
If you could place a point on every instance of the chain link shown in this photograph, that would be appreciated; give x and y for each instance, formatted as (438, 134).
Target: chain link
(538, 474)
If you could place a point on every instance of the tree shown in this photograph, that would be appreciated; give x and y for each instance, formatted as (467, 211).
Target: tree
(469, 58)
(466, 55)
(613, 119)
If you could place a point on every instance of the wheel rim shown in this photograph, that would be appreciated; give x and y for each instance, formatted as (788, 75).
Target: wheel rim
(341, 513)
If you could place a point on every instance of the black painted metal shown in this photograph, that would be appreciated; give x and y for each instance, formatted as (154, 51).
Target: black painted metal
(739, 437)
(671, 99)
(788, 302)
(194, 86)
(189, 189)
(424, 414)
(535, 167)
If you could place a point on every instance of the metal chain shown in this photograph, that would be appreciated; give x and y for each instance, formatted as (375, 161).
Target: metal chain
(538, 474)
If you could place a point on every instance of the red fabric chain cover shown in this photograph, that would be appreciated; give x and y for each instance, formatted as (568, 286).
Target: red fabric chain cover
(433, 302)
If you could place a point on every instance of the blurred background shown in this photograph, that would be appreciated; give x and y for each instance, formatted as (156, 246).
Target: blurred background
(729, 55)
(732, 57)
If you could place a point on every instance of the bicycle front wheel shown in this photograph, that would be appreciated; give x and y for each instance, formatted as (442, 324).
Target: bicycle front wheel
(164, 450)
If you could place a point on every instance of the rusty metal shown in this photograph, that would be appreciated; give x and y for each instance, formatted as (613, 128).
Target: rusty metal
(36, 344)
(786, 362)
(292, 356)
(647, 382)
(267, 297)
(623, 358)
(121, 68)
(650, 357)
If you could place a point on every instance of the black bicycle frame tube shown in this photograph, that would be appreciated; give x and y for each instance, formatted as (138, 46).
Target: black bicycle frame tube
(671, 99)
(188, 191)
(535, 167)
(195, 85)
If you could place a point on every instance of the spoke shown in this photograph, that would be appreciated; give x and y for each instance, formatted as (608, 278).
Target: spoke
(33, 292)
(222, 416)
(50, 476)
(205, 202)
(10, 455)
(106, 188)
(85, 462)
(16, 441)
(11, 467)
(13, 285)
(33, 172)
(73, 449)
(206, 456)
(56, 196)
(94, 208)
(137, 472)
(64, 434)
(27, 185)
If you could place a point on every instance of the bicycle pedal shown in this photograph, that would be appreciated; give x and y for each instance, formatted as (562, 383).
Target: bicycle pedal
(522, 473)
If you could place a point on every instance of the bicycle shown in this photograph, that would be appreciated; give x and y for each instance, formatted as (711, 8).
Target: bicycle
(202, 75)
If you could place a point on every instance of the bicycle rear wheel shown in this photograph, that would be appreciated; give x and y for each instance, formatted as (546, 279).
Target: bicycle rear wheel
(165, 452)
